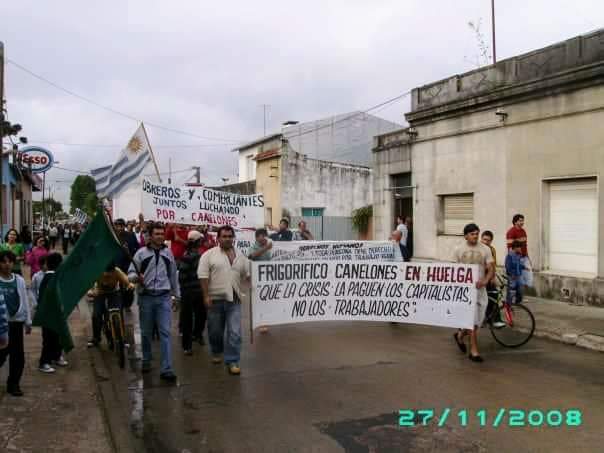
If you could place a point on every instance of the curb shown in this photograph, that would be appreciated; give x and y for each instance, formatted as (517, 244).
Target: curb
(579, 339)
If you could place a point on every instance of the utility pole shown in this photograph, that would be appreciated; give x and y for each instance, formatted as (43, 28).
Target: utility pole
(264, 107)
(493, 29)
(2, 201)
(170, 170)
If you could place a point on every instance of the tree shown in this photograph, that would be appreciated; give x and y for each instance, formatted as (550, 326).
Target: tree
(53, 208)
(83, 195)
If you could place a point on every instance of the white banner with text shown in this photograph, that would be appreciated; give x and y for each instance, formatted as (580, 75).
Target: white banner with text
(335, 250)
(201, 206)
(436, 294)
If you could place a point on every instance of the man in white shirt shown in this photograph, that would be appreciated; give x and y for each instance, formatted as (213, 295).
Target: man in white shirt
(400, 226)
(53, 234)
(403, 227)
(222, 270)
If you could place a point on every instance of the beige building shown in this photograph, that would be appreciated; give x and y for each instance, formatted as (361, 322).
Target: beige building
(522, 136)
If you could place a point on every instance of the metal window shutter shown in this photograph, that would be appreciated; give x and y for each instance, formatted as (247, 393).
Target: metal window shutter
(573, 226)
(458, 212)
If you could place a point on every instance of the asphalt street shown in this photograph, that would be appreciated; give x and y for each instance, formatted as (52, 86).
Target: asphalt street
(326, 387)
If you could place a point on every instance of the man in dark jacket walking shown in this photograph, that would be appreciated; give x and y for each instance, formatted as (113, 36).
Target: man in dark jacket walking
(193, 311)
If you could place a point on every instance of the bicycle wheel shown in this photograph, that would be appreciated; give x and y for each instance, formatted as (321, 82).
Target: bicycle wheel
(519, 326)
(118, 341)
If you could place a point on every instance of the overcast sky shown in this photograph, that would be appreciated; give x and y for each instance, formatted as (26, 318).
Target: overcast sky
(207, 67)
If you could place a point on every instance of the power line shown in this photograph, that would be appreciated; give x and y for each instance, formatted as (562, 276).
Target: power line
(71, 170)
(349, 117)
(178, 131)
(112, 110)
(95, 145)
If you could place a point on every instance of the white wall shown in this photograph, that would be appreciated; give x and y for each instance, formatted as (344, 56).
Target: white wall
(247, 165)
(310, 183)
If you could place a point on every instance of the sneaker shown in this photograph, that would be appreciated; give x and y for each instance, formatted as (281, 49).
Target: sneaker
(93, 343)
(168, 377)
(61, 362)
(188, 352)
(15, 391)
(216, 359)
(499, 324)
(234, 368)
(146, 367)
(46, 368)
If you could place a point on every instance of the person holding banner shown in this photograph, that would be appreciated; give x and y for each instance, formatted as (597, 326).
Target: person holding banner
(222, 270)
(261, 251)
(475, 252)
(193, 312)
(284, 233)
(303, 234)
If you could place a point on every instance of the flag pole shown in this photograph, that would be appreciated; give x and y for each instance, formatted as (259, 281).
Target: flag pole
(151, 151)
(109, 223)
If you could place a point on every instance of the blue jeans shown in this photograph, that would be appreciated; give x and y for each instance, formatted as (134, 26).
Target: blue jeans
(223, 315)
(514, 293)
(156, 310)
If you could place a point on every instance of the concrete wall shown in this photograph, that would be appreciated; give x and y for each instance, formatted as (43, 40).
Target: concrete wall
(536, 65)
(311, 183)
(245, 157)
(505, 165)
(268, 183)
(391, 156)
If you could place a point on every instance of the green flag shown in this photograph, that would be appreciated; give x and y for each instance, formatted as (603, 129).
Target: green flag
(93, 252)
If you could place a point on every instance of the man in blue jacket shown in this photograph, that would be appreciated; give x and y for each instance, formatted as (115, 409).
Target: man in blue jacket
(158, 281)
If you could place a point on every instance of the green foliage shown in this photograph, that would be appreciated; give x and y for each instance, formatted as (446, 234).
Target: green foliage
(361, 217)
(53, 208)
(83, 195)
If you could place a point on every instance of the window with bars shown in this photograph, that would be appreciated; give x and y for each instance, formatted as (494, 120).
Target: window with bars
(312, 212)
(457, 212)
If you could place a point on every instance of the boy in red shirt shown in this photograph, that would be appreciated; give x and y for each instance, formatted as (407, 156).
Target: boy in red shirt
(518, 234)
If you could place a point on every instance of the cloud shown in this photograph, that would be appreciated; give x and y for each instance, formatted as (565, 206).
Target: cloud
(208, 67)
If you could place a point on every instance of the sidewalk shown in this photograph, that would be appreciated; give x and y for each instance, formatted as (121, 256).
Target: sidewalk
(579, 325)
(59, 412)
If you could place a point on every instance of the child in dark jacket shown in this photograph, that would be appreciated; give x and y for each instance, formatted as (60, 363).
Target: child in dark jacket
(513, 269)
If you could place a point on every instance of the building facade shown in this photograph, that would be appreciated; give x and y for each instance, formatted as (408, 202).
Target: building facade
(295, 186)
(16, 188)
(521, 136)
(341, 138)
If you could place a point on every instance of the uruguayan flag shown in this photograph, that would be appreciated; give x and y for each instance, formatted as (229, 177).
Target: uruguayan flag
(80, 216)
(113, 179)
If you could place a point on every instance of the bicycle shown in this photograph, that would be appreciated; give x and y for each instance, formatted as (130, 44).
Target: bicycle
(518, 319)
(115, 329)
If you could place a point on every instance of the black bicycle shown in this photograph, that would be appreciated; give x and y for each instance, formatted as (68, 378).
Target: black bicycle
(115, 330)
(512, 325)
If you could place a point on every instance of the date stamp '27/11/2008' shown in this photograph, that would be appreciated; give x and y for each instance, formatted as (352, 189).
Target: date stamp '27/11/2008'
(497, 418)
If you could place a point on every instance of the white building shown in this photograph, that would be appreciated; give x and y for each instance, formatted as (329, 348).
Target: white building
(342, 138)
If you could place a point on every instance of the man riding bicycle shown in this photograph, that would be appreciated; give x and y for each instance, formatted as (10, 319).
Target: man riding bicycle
(107, 293)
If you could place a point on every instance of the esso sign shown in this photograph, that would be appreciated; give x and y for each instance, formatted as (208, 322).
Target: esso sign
(36, 159)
